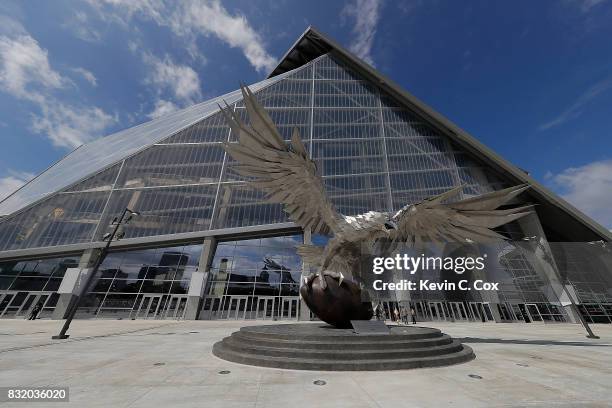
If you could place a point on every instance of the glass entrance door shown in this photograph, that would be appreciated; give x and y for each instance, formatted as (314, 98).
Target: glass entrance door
(481, 311)
(437, 311)
(235, 307)
(20, 304)
(506, 312)
(534, 313)
(289, 308)
(265, 307)
(149, 307)
(458, 311)
(213, 308)
(5, 301)
(31, 300)
(176, 307)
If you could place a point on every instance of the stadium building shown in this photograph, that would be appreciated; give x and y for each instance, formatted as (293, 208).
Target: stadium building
(207, 246)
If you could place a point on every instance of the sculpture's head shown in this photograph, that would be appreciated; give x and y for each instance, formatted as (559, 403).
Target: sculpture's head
(389, 226)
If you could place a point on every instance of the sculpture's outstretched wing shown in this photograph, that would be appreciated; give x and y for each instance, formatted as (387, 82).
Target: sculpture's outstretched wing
(284, 172)
(471, 219)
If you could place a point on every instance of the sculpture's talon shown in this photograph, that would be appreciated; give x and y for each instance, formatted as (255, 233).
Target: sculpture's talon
(323, 283)
(340, 279)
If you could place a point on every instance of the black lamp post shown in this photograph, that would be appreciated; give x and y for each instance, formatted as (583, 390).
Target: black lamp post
(108, 237)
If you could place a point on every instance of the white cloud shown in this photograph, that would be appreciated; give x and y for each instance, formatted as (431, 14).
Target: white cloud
(24, 65)
(12, 182)
(153, 9)
(190, 19)
(82, 28)
(87, 75)
(162, 108)
(589, 188)
(587, 5)
(211, 18)
(365, 14)
(25, 73)
(575, 109)
(70, 126)
(181, 80)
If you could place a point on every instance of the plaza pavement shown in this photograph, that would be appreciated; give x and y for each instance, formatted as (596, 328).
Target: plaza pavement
(111, 363)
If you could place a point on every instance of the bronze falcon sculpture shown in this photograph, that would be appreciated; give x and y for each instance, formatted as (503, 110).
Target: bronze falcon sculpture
(288, 176)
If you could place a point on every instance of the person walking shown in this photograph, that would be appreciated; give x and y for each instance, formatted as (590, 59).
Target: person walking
(405, 315)
(378, 311)
(35, 311)
(397, 315)
(413, 314)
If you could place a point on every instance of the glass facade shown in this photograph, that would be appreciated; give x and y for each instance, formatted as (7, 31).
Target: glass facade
(372, 153)
(586, 268)
(147, 283)
(24, 284)
(254, 278)
(92, 157)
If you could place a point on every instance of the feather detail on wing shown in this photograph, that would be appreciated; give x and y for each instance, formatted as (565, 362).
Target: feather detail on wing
(472, 219)
(284, 172)
(311, 254)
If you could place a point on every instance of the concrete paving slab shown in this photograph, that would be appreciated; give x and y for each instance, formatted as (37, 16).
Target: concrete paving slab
(168, 363)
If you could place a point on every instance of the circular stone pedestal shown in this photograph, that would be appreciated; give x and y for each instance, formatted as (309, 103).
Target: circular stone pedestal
(310, 346)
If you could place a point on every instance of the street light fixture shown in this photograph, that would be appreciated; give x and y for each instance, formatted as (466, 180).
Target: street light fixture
(115, 234)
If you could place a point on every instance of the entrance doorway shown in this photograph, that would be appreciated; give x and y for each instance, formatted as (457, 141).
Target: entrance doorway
(175, 308)
(289, 308)
(265, 308)
(507, 312)
(149, 307)
(235, 307)
(481, 311)
(534, 313)
(20, 304)
(458, 310)
(437, 311)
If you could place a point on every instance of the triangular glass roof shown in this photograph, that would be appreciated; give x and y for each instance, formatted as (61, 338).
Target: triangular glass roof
(312, 44)
(105, 151)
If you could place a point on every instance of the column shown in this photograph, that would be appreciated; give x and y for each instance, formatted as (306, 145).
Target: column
(197, 285)
(304, 314)
(72, 283)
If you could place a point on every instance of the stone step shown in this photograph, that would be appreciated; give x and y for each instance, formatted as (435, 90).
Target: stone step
(324, 351)
(361, 343)
(318, 332)
(222, 351)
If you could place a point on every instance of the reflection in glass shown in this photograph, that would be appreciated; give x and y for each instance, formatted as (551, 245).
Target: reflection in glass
(141, 275)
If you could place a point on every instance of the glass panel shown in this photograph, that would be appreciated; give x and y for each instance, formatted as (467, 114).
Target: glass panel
(103, 181)
(155, 271)
(171, 165)
(260, 266)
(110, 149)
(212, 129)
(163, 210)
(240, 205)
(29, 283)
(63, 219)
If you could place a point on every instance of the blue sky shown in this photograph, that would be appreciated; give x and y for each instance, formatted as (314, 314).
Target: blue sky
(532, 80)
